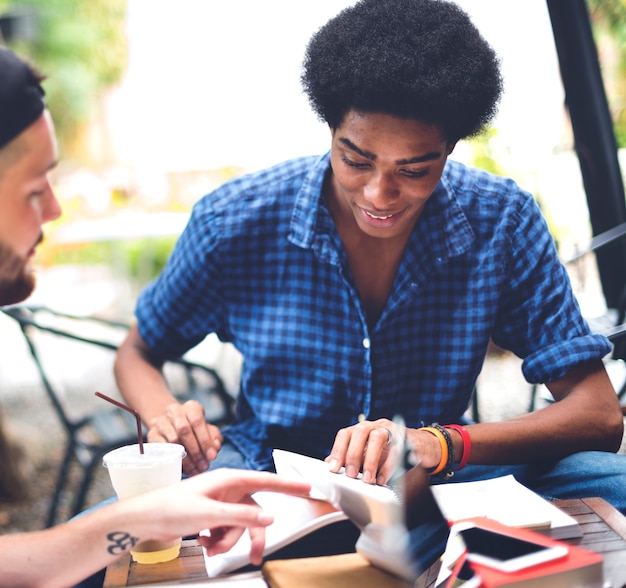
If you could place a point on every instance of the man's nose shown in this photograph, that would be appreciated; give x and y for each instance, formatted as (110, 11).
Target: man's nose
(381, 190)
(52, 207)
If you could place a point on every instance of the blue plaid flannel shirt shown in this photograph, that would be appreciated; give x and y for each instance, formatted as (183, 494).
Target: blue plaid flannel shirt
(261, 264)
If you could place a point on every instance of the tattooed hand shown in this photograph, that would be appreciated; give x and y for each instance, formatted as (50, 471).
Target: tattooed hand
(120, 542)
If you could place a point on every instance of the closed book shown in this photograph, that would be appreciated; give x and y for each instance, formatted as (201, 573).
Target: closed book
(349, 570)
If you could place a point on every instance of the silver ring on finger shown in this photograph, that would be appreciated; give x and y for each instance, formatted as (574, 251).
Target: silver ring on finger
(389, 436)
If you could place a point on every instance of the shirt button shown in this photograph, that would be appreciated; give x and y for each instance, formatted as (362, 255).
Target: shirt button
(366, 343)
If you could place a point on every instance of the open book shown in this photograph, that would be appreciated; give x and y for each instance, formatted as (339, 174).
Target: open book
(507, 501)
(294, 517)
(375, 510)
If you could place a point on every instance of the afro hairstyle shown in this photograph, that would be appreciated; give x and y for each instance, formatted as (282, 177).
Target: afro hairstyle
(414, 59)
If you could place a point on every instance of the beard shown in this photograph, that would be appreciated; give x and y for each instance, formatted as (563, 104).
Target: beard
(17, 280)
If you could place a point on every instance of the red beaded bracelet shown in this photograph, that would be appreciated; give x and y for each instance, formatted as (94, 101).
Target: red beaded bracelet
(467, 444)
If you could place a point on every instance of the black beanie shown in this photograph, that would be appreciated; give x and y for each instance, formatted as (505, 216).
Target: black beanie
(21, 96)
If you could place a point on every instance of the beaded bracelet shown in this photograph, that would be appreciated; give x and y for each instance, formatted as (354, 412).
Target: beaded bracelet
(467, 444)
(448, 470)
(441, 436)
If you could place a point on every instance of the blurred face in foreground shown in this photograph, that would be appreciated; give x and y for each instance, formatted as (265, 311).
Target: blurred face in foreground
(26, 203)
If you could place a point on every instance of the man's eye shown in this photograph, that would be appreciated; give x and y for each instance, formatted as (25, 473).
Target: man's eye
(415, 174)
(354, 164)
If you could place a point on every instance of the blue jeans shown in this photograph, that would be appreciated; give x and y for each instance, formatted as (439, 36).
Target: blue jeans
(581, 475)
(230, 457)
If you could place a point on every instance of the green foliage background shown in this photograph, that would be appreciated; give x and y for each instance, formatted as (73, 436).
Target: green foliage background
(609, 25)
(81, 46)
(142, 259)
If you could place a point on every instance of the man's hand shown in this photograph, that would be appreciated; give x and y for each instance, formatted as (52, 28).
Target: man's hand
(373, 447)
(186, 424)
(365, 446)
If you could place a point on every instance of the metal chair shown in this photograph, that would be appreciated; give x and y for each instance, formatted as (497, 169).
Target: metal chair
(54, 338)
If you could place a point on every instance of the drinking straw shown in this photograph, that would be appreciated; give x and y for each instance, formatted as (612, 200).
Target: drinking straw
(128, 409)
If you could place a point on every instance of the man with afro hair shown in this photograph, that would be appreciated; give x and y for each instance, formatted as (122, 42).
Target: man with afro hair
(367, 283)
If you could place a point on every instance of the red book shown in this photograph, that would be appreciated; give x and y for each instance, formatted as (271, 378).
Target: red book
(579, 568)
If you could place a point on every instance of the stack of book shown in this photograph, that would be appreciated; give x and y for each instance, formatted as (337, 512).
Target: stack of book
(504, 505)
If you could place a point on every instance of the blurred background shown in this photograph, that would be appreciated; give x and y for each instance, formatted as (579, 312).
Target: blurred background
(157, 102)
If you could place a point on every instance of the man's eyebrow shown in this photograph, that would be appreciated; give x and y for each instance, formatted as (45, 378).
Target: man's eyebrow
(51, 166)
(420, 158)
(367, 154)
(372, 156)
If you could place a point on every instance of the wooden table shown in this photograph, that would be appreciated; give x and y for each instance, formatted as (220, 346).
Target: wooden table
(604, 531)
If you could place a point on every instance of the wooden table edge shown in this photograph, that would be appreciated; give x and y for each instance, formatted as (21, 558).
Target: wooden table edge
(117, 572)
(608, 513)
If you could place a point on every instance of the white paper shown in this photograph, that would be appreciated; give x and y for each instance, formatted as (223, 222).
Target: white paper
(507, 501)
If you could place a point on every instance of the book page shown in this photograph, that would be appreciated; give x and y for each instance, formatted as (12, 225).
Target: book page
(365, 504)
(375, 510)
(294, 517)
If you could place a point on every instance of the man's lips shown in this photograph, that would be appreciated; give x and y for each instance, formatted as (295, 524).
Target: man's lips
(39, 241)
(382, 216)
(378, 216)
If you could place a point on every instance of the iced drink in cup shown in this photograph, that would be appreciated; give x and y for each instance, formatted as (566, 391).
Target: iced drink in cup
(133, 472)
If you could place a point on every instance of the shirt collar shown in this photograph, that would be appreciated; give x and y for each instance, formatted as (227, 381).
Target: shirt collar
(308, 204)
(444, 227)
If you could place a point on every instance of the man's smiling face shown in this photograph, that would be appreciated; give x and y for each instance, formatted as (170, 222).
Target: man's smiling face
(385, 169)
